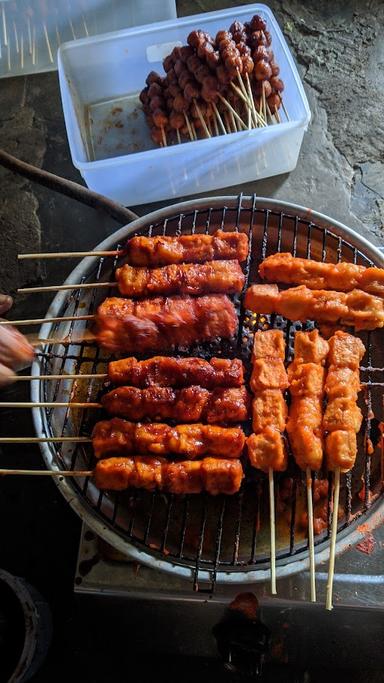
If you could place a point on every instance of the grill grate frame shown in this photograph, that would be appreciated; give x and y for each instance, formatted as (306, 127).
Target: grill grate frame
(204, 534)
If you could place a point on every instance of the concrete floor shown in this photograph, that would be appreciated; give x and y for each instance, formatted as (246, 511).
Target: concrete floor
(339, 50)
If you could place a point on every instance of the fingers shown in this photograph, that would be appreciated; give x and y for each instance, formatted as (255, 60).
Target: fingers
(5, 303)
(6, 375)
(14, 348)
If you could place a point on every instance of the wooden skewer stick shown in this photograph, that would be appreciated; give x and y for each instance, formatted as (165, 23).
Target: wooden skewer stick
(187, 121)
(34, 45)
(48, 439)
(48, 43)
(9, 56)
(217, 132)
(51, 378)
(69, 254)
(264, 101)
(284, 109)
(271, 115)
(202, 120)
(49, 404)
(164, 136)
(58, 36)
(178, 136)
(233, 122)
(47, 473)
(16, 37)
(234, 112)
(332, 550)
(85, 25)
(219, 119)
(29, 35)
(5, 32)
(277, 116)
(272, 530)
(22, 51)
(59, 288)
(250, 94)
(40, 321)
(194, 131)
(311, 539)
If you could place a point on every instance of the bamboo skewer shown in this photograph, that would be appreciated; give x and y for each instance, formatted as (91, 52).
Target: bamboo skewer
(311, 539)
(220, 120)
(48, 404)
(164, 137)
(48, 43)
(188, 123)
(47, 473)
(34, 45)
(9, 56)
(272, 530)
(178, 136)
(16, 37)
(202, 120)
(49, 378)
(4, 20)
(59, 288)
(29, 35)
(22, 51)
(234, 112)
(332, 550)
(284, 109)
(48, 439)
(69, 254)
(40, 321)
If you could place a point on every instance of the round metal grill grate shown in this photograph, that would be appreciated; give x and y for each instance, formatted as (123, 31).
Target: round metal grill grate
(212, 538)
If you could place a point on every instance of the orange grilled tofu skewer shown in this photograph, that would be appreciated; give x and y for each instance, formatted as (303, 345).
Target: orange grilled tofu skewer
(163, 250)
(220, 277)
(304, 426)
(214, 475)
(269, 379)
(120, 437)
(306, 376)
(190, 404)
(317, 275)
(342, 421)
(266, 448)
(342, 417)
(168, 371)
(125, 325)
(356, 308)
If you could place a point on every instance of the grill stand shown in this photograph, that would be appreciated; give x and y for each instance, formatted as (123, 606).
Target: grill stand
(165, 616)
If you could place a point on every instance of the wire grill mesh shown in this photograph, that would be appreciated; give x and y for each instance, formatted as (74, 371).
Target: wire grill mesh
(201, 532)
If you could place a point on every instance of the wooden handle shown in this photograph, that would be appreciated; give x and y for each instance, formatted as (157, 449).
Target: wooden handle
(67, 187)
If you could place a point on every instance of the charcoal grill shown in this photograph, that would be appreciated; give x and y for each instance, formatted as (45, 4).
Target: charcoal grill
(223, 539)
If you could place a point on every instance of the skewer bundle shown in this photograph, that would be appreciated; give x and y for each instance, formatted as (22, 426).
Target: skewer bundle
(215, 85)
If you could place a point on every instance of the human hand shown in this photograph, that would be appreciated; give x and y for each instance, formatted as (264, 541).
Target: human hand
(14, 348)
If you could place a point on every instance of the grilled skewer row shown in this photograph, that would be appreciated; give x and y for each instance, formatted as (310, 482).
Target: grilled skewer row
(120, 437)
(167, 371)
(220, 277)
(306, 383)
(341, 276)
(190, 404)
(356, 308)
(163, 250)
(214, 475)
(124, 325)
(266, 448)
(342, 417)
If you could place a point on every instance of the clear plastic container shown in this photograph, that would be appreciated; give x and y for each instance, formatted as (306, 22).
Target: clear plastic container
(100, 80)
(32, 30)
